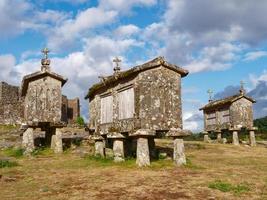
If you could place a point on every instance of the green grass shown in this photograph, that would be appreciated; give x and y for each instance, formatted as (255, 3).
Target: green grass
(109, 161)
(228, 187)
(7, 163)
(42, 151)
(7, 127)
(14, 152)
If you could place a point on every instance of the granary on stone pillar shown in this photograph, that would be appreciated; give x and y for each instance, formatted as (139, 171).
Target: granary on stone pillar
(43, 99)
(232, 114)
(137, 105)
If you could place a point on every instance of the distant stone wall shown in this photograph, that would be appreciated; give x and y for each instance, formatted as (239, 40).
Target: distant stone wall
(73, 110)
(70, 109)
(11, 106)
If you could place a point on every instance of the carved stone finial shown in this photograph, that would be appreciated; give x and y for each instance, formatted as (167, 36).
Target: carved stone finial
(45, 61)
(242, 89)
(117, 67)
(210, 92)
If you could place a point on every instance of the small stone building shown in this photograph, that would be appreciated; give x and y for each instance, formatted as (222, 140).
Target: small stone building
(230, 114)
(130, 108)
(43, 106)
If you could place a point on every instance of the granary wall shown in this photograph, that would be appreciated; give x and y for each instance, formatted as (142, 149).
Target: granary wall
(121, 125)
(157, 103)
(241, 113)
(217, 119)
(11, 106)
(43, 100)
(160, 99)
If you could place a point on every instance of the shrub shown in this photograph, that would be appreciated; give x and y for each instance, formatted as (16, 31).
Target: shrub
(80, 121)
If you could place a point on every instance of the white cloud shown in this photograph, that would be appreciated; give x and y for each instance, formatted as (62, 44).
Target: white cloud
(6, 64)
(193, 121)
(124, 6)
(126, 30)
(72, 29)
(250, 56)
(13, 20)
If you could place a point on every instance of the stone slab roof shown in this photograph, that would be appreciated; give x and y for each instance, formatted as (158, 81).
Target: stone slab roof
(38, 75)
(225, 101)
(159, 61)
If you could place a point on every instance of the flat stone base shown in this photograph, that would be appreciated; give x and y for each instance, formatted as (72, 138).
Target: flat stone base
(118, 150)
(28, 141)
(142, 152)
(178, 152)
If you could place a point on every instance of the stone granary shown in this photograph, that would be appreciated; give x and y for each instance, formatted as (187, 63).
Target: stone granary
(230, 114)
(12, 106)
(130, 108)
(43, 106)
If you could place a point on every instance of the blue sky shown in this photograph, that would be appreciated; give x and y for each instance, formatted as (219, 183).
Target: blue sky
(219, 43)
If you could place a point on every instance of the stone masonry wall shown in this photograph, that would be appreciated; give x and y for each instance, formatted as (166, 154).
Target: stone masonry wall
(242, 113)
(43, 101)
(11, 106)
(157, 94)
(73, 110)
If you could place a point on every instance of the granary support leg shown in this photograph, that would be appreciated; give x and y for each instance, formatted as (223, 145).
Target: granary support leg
(142, 149)
(118, 150)
(28, 141)
(99, 146)
(178, 152)
(206, 137)
(56, 142)
(178, 145)
(252, 140)
(235, 136)
(142, 152)
(219, 136)
(118, 145)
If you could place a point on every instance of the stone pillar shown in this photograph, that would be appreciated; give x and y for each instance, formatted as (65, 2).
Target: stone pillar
(178, 152)
(178, 145)
(206, 137)
(252, 139)
(56, 142)
(235, 137)
(118, 150)
(142, 152)
(28, 141)
(99, 146)
(219, 136)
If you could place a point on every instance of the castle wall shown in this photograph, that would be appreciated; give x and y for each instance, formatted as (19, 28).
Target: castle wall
(11, 106)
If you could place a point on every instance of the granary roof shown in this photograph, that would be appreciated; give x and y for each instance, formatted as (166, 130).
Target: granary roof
(38, 75)
(159, 61)
(227, 100)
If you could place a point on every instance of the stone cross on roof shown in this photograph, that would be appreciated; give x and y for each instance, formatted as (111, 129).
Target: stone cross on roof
(45, 61)
(242, 89)
(117, 62)
(45, 51)
(210, 92)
